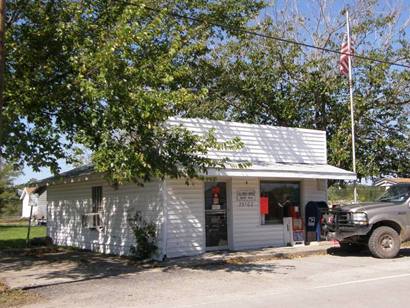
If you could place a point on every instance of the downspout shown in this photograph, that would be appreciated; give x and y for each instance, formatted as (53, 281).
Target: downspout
(164, 220)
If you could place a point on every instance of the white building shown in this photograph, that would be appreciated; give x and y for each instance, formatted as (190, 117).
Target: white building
(289, 166)
(38, 200)
(388, 182)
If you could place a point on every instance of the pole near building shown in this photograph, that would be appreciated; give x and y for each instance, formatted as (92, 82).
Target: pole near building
(351, 104)
(29, 223)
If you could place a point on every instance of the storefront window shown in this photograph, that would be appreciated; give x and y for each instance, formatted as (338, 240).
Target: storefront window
(277, 198)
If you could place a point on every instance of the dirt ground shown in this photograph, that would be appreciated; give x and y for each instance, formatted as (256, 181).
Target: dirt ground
(43, 268)
(83, 279)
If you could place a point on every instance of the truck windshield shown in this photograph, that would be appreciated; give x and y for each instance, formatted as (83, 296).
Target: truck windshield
(396, 194)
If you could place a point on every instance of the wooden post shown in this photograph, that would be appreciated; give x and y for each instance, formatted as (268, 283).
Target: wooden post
(29, 226)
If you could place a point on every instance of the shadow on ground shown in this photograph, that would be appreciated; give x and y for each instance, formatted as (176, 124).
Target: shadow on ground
(65, 267)
(404, 252)
(58, 266)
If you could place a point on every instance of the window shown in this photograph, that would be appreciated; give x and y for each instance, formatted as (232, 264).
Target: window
(96, 198)
(215, 195)
(215, 214)
(276, 200)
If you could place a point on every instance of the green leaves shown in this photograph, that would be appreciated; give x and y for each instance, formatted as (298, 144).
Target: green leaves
(9, 200)
(106, 75)
(259, 80)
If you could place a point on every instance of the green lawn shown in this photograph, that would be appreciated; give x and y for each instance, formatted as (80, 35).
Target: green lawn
(14, 236)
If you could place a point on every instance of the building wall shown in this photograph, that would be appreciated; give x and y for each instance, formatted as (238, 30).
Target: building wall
(314, 190)
(41, 209)
(248, 232)
(68, 202)
(186, 218)
(39, 202)
(183, 233)
(25, 207)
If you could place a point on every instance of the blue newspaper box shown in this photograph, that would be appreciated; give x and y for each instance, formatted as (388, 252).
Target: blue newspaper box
(313, 213)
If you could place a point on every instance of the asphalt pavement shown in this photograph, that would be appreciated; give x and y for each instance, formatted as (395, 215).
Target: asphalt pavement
(337, 280)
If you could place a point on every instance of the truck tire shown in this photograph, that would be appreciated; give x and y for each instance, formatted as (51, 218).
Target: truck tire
(384, 243)
(350, 247)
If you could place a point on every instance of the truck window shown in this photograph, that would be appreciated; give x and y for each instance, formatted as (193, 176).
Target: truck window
(396, 194)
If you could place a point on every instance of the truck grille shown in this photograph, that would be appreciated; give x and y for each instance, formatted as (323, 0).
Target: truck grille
(343, 219)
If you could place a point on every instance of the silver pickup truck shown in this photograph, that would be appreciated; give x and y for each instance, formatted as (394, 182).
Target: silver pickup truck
(382, 225)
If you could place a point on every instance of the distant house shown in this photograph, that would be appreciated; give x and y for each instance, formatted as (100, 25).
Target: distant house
(35, 197)
(387, 182)
(232, 208)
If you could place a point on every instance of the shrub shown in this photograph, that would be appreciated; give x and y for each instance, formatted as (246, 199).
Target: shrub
(145, 237)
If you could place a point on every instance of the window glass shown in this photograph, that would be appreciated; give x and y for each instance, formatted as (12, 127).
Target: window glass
(215, 196)
(215, 214)
(276, 200)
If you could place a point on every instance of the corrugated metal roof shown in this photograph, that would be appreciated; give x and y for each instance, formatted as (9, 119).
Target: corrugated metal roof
(272, 144)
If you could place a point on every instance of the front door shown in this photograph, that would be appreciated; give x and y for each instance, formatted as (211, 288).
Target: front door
(215, 215)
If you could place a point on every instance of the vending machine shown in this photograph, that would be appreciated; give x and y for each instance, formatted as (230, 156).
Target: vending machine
(294, 233)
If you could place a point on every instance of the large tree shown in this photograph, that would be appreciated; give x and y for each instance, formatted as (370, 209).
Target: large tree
(265, 81)
(9, 200)
(106, 75)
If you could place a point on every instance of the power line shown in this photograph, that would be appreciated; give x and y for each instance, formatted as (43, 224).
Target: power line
(280, 39)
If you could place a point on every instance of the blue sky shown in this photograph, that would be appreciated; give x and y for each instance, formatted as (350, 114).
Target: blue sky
(28, 173)
(308, 9)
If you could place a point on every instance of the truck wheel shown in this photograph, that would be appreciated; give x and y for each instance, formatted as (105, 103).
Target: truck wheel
(384, 243)
(350, 247)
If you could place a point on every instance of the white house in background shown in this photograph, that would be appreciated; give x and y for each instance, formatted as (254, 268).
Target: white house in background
(37, 198)
(387, 182)
(231, 208)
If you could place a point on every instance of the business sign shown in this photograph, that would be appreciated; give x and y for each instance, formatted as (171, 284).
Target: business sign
(246, 198)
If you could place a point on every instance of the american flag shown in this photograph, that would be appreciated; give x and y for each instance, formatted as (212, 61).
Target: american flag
(344, 60)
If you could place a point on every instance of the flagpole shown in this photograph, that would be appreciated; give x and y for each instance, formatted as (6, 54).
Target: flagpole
(351, 105)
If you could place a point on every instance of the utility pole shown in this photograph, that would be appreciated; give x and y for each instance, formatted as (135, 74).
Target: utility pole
(2, 57)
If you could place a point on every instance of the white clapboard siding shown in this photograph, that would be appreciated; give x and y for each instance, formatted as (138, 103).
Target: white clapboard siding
(247, 230)
(314, 190)
(262, 142)
(68, 202)
(186, 218)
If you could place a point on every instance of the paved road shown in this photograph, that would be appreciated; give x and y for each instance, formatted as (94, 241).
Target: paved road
(334, 281)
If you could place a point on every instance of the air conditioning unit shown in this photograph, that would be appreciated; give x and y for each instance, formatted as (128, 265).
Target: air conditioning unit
(92, 220)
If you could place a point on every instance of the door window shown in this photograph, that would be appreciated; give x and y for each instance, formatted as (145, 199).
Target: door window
(215, 214)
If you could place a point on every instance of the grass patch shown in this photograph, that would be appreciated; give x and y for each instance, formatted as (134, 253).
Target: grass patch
(14, 236)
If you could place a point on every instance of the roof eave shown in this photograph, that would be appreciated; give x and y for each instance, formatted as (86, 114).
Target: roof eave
(348, 176)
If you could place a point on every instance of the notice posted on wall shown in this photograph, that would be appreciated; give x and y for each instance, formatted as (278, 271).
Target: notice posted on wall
(246, 198)
(264, 205)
